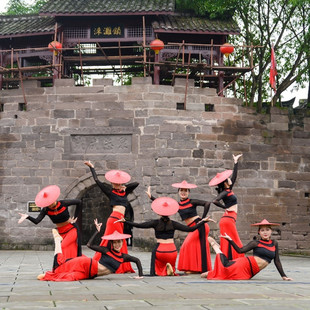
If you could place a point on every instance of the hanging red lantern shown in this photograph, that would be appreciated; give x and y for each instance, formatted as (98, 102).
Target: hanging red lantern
(157, 45)
(55, 47)
(227, 49)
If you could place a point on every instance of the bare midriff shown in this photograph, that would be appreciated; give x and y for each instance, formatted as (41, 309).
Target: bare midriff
(165, 240)
(261, 262)
(190, 220)
(62, 224)
(233, 208)
(103, 270)
(120, 209)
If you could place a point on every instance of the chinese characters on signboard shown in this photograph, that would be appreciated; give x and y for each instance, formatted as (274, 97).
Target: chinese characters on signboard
(107, 31)
(32, 207)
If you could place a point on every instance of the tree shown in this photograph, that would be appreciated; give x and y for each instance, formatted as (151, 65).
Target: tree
(20, 7)
(284, 23)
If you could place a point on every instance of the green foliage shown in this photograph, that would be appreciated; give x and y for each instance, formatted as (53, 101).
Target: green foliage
(20, 7)
(207, 8)
(284, 23)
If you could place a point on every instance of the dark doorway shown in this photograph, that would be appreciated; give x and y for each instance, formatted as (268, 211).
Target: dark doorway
(95, 205)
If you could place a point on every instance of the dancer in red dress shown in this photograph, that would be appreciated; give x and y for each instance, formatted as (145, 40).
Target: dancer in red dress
(57, 211)
(194, 256)
(81, 268)
(227, 223)
(165, 253)
(117, 194)
(244, 268)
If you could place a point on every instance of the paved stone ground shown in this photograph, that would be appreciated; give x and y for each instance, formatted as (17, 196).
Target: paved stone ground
(19, 288)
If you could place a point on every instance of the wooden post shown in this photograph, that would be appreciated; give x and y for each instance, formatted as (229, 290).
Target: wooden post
(21, 80)
(187, 74)
(81, 64)
(120, 60)
(144, 50)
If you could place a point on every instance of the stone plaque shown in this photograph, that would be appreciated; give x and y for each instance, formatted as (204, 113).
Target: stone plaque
(101, 144)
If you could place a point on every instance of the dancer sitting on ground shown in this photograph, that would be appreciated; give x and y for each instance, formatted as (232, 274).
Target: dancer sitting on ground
(57, 211)
(227, 223)
(244, 268)
(194, 256)
(165, 253)
(117, 194)
(80, 268)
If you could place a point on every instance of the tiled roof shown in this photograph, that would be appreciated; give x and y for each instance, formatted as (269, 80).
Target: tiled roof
(88, 7)
(27, 24)
(170, 23)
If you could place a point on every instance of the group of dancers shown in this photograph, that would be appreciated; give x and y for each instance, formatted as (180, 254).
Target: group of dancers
(112, 254)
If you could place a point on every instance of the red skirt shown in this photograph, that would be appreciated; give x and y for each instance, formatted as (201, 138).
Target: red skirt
(70, 245)
(195, 251)
(75, 269)
(228, 225)
(110, 228)
(163, 253)
(242, 268)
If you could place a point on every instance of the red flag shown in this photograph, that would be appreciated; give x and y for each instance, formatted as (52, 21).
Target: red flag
(273, 71)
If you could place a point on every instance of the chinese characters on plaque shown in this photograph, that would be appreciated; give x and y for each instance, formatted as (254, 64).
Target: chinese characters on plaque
(107, 31)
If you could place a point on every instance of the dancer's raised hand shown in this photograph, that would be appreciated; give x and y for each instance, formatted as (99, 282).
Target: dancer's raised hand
(89, 164)
(23, 216)
(225, 236)
(98, 225)
(148, 192)
(236, 157)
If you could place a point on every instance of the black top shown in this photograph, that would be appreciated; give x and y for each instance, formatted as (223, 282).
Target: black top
(60, 214)
(227, 195)
(112, 259)
(188, 208)
(267, 250)
(116, 197)
(164, 227)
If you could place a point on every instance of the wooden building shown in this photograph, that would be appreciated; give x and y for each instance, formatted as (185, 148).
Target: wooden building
(102, 37)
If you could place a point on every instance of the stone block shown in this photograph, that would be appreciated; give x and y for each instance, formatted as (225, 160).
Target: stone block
(141, 80)
(64, 82)
(278, 126)
(183, 82)
(102, 82)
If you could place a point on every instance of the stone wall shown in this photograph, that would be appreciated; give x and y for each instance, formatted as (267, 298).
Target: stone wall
(139, 129)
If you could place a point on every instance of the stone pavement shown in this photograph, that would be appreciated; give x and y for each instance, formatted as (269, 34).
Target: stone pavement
(19, 288)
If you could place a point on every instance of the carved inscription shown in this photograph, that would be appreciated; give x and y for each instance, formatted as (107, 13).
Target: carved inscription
(100, 144)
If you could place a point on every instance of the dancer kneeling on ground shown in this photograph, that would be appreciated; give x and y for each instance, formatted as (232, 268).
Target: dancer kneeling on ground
(244, 268)
(80, 268)
(165, 253)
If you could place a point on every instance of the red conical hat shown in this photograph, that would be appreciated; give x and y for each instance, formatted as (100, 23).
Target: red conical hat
(47, 196)
(264, 222)
(184, 184)
(117, 176)
(165, 206)
(220, 177)
(116, 236)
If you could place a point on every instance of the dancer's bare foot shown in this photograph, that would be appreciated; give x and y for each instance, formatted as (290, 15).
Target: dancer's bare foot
(41, 276)
(56, 234)
(204, 275)
(169, 270)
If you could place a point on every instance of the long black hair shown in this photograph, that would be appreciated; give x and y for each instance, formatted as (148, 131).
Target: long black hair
(220, 187)
(164, 224)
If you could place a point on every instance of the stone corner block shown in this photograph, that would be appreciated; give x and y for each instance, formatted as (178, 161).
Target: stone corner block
(64, 82)
(182, 82)
(102, 82)
(31, 84)
(141, 80)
